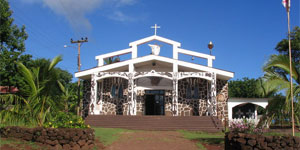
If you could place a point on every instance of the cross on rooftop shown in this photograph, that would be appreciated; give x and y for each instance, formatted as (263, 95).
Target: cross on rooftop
(155, 28)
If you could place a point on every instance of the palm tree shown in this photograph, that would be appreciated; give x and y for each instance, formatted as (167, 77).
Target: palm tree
(42, 96)
(111, 60)
(277, 77)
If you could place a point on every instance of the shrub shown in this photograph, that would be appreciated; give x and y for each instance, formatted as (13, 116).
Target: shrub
(66, 120)
(245, 127)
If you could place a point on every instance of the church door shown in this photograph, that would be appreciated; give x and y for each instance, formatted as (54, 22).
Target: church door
(154, 102)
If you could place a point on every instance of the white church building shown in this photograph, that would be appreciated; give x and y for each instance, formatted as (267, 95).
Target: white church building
(156, 85)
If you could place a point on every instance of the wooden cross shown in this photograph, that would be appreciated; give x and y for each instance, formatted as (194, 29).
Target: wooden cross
(155, 28)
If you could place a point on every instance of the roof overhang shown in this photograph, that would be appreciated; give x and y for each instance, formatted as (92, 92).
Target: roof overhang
(221, 74)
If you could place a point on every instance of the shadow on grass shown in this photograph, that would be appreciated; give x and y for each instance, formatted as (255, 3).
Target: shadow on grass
(203, 137)
(210, 141)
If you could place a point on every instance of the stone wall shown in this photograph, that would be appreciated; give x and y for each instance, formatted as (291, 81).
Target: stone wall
(61, 138)
(114, 105)
(222, 99)
(168, 103)
(260, 142)
(189, 104)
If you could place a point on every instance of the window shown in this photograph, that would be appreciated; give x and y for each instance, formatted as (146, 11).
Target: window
(189, 92)
(196, 92)
(120, 94)
(113, 91)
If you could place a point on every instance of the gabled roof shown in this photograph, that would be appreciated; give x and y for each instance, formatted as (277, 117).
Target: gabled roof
(155, 37)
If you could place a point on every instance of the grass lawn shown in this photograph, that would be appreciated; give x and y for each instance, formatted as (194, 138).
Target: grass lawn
(19, 144)
(280, 134)
(108, 135)
(202, 137)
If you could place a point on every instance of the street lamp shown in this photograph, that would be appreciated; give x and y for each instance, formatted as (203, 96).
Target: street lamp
(210, 46)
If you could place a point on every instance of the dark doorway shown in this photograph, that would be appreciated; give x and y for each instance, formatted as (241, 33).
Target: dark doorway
(154, 102)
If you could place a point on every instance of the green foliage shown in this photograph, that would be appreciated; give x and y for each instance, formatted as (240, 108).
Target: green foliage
(12, 46)
(277, 76)
(245, 127)
(109, 135)
(246, 88)
(283, 46)
(65, 120)
(42, 95)
(111, 60)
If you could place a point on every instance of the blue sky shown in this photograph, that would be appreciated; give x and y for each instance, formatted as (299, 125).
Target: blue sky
(244, 33)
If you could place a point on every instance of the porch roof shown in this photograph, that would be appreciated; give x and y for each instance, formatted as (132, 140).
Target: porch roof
(221, 74)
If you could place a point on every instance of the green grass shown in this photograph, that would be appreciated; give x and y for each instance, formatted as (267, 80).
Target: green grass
(202, 137)
(272, 134)
(19, 144)
(108, 135)
(280, 134)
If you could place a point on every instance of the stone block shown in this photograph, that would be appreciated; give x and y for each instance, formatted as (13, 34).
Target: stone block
(81, 143)
(246, 147)
(241, 140)
(66, 147)
(75, 138)
(57, 147)
(269, 138)
(251, 142)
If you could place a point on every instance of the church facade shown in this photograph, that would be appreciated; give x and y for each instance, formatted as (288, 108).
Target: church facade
(154, 84)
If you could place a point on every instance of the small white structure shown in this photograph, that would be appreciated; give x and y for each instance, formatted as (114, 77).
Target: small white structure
(245, 108)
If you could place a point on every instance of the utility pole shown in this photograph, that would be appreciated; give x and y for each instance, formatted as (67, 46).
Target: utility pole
(79, 102)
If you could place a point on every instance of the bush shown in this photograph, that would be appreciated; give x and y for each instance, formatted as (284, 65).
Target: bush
(245, 127)
(66, 120)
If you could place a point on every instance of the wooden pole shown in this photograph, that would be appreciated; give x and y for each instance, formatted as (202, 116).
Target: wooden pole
(79, 102)
(291, 72)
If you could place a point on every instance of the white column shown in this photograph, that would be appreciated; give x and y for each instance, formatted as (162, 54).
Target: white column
(255, 112)
(209, 62)
(134, 51)
(175, 52)
(130, 94)
(175, 94)
(212, 102)
(93, 105)
(101, 98)
(229, 106)
(100, 61)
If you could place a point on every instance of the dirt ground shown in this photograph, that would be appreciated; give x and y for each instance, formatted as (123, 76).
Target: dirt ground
(146, 140)
(156, 140)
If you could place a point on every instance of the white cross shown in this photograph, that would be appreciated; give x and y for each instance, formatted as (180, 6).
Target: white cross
(250, 113)
(239, 113)
(155, 28)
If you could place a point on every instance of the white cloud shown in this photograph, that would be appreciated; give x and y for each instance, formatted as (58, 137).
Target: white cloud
(75, 11)
(120, 16)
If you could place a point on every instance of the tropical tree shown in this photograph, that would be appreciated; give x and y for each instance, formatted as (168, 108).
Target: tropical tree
(42, 97)
(12, 47)
(111, 60)
(279, 107)
(283, 46)
(246, 88)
